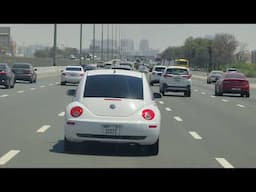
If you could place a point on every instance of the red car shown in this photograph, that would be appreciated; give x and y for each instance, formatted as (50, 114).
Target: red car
(232, 82)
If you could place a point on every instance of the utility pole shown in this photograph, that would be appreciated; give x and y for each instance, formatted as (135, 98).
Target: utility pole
(101, 42)
(81, 36)
(54, 44)
(112, 41)
(107, 41)
(209, 67)
(93, 44)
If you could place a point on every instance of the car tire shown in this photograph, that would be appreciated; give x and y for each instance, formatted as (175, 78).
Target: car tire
(188, 93)
(151, 83)
(62, 83)
(31, 80)
(247, 94)
(68, 145)
(13, 83)
(153, 149)
(8, 85)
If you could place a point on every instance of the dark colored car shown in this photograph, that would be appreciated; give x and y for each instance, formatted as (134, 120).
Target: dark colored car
(232, 82)
(7, 77)
(24, 72)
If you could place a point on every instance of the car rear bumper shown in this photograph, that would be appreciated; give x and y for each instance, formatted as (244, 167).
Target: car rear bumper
(25, 77)
(126, 133)
(71, 79)
(176, 88)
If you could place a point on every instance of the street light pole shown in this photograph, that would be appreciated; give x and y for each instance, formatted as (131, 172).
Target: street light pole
(81, 36)
(93, 44)
(102, 42)
(54, 44)
(107, 41)
(112, 41)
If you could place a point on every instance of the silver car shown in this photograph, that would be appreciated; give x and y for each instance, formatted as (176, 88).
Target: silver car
(176, 79)
(71, 74)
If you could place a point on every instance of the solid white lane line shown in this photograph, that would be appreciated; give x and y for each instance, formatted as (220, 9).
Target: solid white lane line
(177, 118)
(32, 88)
(224, 163)
(196, 90)
(239, 105)
(161, 102)
(8, 156)
(168, 109)
(224, 100)
(4, 95)
(61, 114)
(42, 86)
(213, 96)
(20, 91)
(195, 135)
(203, 93)
(43, 128)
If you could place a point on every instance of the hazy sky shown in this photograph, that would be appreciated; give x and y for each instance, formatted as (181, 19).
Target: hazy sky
(160, 36)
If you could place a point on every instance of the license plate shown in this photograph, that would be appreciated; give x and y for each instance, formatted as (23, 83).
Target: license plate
(111, 130)
(177, 79)
(236, 89)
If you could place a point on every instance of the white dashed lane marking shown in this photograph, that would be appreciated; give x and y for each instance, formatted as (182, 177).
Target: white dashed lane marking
(195, 135)
(50, 84)
(212, 96)
(196, 90)
(4, 95)
(203, 93)
(224, 163)
(32, 88)
(168, 109)
(56, 83)
(177, 118)
(42, 86)
(161, 102)
(239, 105)
(20, 91)
(224, 100)
(43, 128)
(8, 156)
(61, 114)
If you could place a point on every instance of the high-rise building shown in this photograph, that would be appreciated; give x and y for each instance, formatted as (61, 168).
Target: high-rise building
(5, 40)
(144, 46)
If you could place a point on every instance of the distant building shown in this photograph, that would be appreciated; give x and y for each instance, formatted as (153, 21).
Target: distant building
(144, 47)
(5, 40)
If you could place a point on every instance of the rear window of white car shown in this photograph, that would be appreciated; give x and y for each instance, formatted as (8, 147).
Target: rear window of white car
(73, 69)
(114, 86)
(159, 69)
(177, 71)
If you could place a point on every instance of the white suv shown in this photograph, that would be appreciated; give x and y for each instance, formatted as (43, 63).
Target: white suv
(176, 79)
(156, 74)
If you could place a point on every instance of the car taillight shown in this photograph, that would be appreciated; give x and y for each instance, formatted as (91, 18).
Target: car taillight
(3, 73)
(167, 75)
(187, 76)
(76, 111)
(148, 114)
(152, 126)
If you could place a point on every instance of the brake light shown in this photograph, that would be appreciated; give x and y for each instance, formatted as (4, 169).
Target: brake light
(152, 126)
(167, 75)
(76, 111)
(148, 114)
(187, 76)
(3, 73)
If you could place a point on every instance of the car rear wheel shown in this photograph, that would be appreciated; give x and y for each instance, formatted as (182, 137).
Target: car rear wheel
(8, 84)
(153, 149)
(13, 83)
(188, 93)
(151, 83)
(62, 83)
(247, 94)
(68, 145)
(31, 80)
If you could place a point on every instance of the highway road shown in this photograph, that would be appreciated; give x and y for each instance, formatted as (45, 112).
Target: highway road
(203, 131)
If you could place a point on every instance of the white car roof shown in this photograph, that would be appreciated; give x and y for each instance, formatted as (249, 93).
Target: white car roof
(159, 66)
(75, 66)
(117, 71)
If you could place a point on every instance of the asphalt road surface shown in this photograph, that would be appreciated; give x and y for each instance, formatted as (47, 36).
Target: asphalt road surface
(202, 131)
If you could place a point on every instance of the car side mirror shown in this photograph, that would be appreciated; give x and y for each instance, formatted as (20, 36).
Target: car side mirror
(71, 92)
(157, 95)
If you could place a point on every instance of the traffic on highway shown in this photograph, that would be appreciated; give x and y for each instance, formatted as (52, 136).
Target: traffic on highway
(127, 112)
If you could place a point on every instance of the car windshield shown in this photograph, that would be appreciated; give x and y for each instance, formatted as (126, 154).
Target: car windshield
(216, 73)
(73, 69)
(2, 67)
(235, 75)
(177, 71)
(124, 86)
(24, 66)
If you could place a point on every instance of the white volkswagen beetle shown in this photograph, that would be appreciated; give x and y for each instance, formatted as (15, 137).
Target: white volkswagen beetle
(115, 106)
